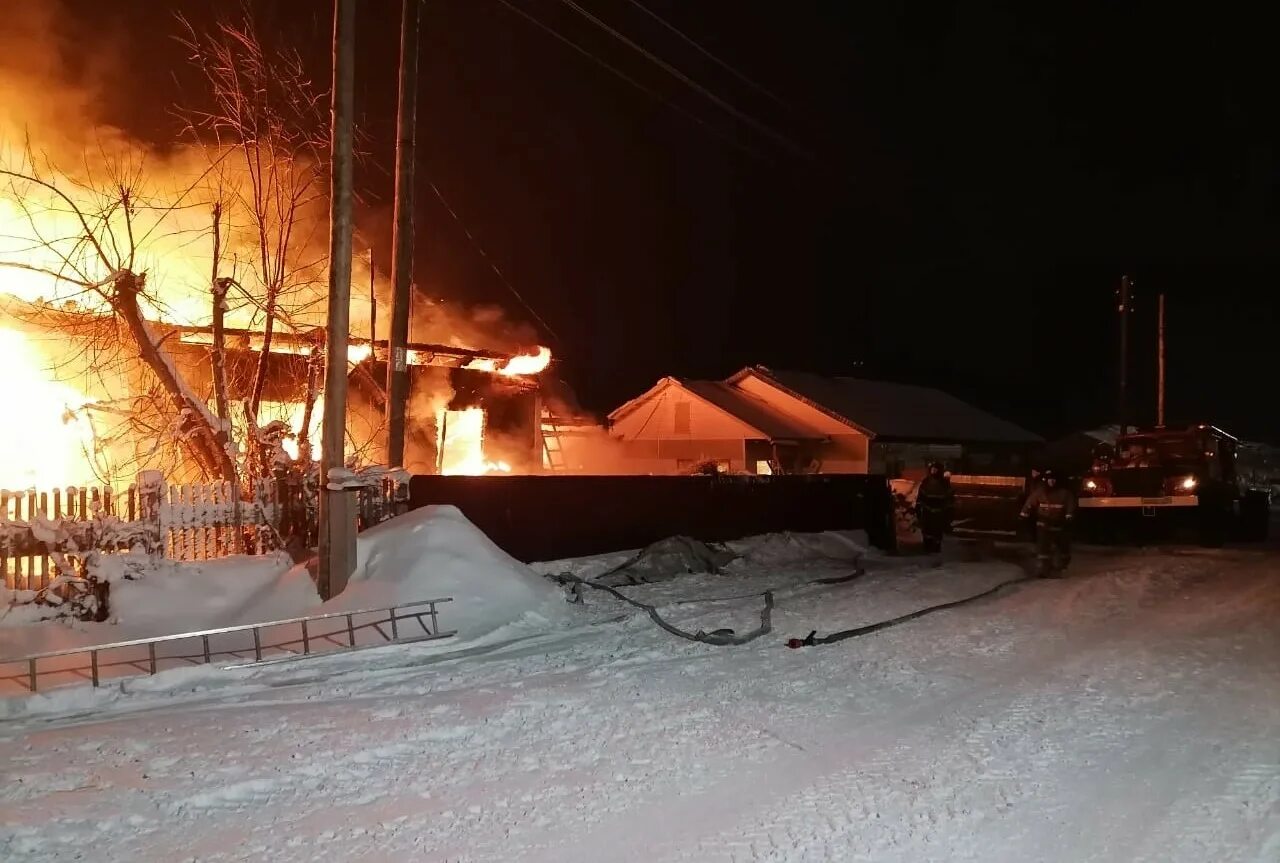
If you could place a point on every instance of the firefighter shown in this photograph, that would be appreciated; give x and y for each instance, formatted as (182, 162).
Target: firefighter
(1053, 507)
(1034, 481)
(934, 501)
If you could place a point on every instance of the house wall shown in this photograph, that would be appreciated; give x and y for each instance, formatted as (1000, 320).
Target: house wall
(848, 451)
(673, 431)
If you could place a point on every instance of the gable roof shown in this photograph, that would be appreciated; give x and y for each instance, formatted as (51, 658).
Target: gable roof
(758, 415)
(889, 410)
(755, 412)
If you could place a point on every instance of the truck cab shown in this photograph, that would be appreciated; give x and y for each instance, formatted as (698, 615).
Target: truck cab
(1175, 477)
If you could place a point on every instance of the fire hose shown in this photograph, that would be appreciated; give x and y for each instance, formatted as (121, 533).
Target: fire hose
(719, 637)
(727, 637)
(810, 640)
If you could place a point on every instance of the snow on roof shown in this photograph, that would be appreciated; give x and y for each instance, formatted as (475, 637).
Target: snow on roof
(891, 410)
(757, 413)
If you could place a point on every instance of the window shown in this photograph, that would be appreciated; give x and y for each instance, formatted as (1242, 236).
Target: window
(682, 423)
(763, 468)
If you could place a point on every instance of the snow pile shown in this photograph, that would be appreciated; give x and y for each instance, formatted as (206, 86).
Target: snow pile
(185, 597)
(168, 598)
(778, 549)
(435, 552)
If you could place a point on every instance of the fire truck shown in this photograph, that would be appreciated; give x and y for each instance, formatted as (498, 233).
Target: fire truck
(1165, 481)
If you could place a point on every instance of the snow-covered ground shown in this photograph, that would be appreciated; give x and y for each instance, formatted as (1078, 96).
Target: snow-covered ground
(1130, 712)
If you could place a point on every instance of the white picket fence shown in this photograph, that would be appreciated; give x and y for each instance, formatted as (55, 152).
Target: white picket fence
(183, 522)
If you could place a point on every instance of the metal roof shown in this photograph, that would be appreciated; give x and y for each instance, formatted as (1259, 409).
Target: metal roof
(755, 412)
(895, 411)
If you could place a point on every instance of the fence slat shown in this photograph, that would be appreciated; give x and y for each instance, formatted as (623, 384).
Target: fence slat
(182, 521)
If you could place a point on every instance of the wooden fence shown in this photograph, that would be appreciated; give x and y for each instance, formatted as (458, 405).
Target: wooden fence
(183, 522)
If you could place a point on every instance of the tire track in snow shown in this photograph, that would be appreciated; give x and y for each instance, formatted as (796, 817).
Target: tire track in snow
(1104, 727)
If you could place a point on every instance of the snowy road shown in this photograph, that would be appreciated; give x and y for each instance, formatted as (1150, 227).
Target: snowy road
(1129, 713)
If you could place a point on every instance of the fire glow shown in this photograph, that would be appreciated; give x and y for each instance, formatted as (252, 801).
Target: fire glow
(460, 444)
(52, 443)
(66, 238)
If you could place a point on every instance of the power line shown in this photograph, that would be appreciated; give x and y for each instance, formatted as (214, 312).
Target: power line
(633, 82)
(492, 265)
(688, 40)
(743, 117)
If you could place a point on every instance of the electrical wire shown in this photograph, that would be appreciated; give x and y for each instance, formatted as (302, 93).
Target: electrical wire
(741, 116)
(653, 94)
(493, 265)
(688, 40)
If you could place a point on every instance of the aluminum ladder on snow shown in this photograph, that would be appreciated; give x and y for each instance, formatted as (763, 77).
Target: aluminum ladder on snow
(250, 644)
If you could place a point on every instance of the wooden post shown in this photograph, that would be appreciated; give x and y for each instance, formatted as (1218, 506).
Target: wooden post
(152, 499)
(373, 307)
(336, 530)
(402, 236)
(1123, 407)
(1161, 379)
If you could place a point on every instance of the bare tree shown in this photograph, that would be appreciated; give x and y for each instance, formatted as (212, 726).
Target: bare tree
(97, 256)
(266, 135)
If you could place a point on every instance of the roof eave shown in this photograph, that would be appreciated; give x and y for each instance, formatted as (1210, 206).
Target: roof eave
(764, 375)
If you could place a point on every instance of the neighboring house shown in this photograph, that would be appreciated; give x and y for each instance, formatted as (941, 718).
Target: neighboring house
(760, 420)
(679, 425)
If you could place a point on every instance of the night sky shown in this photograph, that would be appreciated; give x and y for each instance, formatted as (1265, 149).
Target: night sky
(971, 182)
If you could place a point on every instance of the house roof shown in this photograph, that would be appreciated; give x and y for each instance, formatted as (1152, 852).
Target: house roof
(755, 412)
(890, 410)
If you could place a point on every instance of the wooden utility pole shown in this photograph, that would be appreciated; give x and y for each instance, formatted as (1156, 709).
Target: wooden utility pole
(1161, 379)
(1124, 295)
(337, 526)
(402, 238)
(373, 305)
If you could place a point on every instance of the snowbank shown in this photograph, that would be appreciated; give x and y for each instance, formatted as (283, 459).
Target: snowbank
(173, 597)
(227, 592)
(436, 552)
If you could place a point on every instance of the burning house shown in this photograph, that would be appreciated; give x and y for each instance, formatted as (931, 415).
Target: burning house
(472, 411)
(162, 307)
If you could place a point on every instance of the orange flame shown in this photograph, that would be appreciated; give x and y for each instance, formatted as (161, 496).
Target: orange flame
(460, 441)
(522, 364)
(49, 443)
(527, 364)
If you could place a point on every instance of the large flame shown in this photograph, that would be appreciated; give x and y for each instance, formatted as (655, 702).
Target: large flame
(460, 442)
(522, 364)
(44, 441)
(41, 233)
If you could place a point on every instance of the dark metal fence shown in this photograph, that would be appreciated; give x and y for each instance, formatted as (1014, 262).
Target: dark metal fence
(554, 517)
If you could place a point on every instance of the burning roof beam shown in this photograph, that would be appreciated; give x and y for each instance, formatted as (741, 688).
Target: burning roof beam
(419, 353)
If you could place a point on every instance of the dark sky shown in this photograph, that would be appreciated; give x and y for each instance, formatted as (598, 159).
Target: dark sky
(982, 175)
